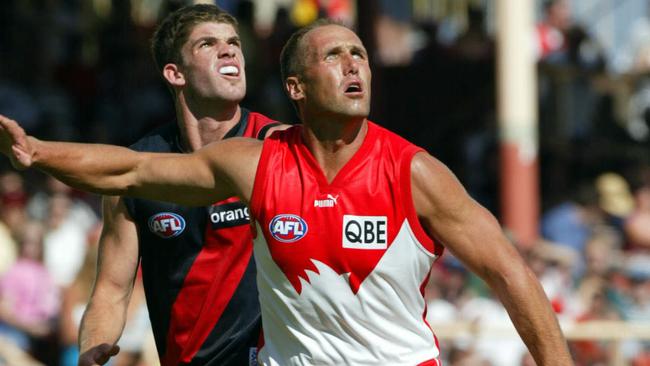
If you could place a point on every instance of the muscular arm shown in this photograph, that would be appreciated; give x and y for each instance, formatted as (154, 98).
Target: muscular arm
(218, 171)
(474, 236)
(105, 316)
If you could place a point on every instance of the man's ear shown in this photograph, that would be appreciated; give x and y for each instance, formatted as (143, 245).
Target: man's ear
(173, 75)
(294, 88)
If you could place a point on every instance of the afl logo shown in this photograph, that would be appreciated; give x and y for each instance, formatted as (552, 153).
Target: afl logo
(288, 228)
(166, 224)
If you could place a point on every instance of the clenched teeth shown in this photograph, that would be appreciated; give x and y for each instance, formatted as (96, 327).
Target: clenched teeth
(229, 70)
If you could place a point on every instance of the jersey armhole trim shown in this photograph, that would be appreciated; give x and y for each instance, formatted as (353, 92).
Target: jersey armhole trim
(261, 134)
(129, 205)
(260, 176)
(409, 206)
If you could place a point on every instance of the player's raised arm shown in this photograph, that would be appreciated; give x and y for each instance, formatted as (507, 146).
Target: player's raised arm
(474, 236)
(215, 172)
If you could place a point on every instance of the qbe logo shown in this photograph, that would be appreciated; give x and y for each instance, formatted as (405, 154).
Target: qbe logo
(365, 232)
(166, 224)
(288, 228)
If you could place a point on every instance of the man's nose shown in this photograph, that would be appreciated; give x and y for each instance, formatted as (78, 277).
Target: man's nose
(227, 50)
(350, 65)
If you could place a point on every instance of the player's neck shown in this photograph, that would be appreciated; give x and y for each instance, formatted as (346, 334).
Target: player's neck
(202, 127)
(334, 144)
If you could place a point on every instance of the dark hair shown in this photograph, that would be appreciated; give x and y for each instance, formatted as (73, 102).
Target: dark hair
(292, 56)
(175, 29)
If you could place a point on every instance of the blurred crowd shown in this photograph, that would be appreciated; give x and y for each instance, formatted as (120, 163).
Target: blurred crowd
(593, 261)
(81, 70)
(48, 252)
(593, 256)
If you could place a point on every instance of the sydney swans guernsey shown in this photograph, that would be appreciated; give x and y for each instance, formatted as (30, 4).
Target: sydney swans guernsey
(341, 266)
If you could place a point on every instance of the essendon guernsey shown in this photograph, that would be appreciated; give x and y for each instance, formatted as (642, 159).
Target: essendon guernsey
(198, 269)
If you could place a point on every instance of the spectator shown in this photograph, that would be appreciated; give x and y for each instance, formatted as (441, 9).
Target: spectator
(67, 219)
(12, 190)
(602, 255)
(635, 308)
(637, 226)
(551, 40)
(29, 299)
(459, 356)
(489, 313)
(439, 309)
(588, 353)
(80, 212)
(614, 198)
(567, 54)
(64, 241)
(570, 223)
(12, 197)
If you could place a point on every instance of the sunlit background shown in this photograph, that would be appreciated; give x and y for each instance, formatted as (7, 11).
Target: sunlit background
(81, 70)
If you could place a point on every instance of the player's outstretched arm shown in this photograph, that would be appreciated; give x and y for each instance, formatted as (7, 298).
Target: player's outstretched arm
(474, 236)
(105, 315)
(215, 172)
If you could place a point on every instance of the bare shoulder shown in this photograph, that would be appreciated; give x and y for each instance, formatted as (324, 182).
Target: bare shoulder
(435, 189)
(425, 166)
(450, 216)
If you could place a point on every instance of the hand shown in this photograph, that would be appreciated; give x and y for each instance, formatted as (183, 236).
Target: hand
(15, 144)
(98, 355)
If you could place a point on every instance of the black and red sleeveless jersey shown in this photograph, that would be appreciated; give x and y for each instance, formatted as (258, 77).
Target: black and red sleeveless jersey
(198, 268)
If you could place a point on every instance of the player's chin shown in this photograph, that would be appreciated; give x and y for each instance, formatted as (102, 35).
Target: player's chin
(357, 108)
(234, 94)
(354, 115)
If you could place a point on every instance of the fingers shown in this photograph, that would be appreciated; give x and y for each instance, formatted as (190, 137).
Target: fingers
(114, 350)
(21, 159)
(106, 351)
(11, 126)
(98, 355)
(14, 143)
(4, 120)
(5, 135)
(12, 130)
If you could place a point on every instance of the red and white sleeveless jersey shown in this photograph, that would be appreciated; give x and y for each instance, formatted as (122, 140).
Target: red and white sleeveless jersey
(341, 266)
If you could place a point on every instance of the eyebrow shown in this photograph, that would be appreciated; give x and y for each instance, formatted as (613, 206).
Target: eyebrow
(359, 49)
(335, 49)
(352, 48)
(214, 39)
(202, 39)
(234, 39)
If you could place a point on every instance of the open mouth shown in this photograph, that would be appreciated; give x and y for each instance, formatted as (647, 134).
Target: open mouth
(229, 70)
(354, 88)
